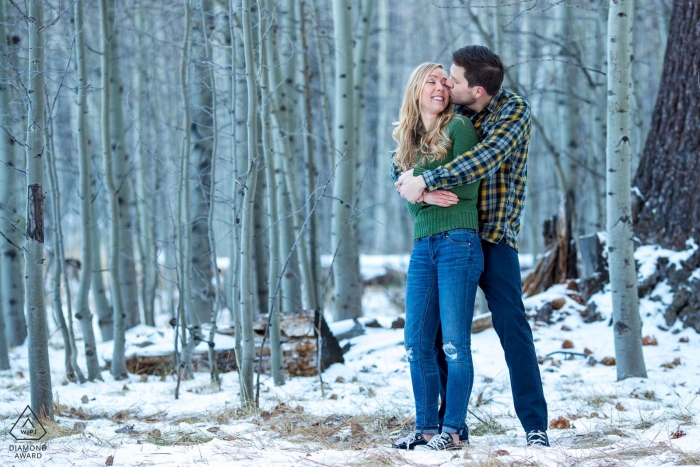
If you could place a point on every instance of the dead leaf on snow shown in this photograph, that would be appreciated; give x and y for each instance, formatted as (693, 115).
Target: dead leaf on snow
(559, 424)
(649, 340)
(608, 361)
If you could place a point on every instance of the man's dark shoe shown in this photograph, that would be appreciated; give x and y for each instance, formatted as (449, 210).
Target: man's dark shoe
(410, 441)
(537, 438)
(441, 442)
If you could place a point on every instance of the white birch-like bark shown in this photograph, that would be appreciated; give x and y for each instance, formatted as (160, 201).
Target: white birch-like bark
(11, 296)
(218, 292)
(73, 372)
(202, 133)
(189, 318)
(38, 345)
(147, 176)
(246, 290)
(268, 160)
(122, 181)
(83, 313)
(4, 357)
(105, 315)
(627, 325)
(347, 291)
(118, 366)
(239, 157)
(383, 185)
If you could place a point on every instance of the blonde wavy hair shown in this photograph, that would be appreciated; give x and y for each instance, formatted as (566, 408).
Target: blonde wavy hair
(410, 133)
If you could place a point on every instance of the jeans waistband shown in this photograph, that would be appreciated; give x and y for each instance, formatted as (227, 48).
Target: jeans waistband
(448, 232)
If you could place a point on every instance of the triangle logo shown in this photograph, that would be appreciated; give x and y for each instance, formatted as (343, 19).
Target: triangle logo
(28, 427)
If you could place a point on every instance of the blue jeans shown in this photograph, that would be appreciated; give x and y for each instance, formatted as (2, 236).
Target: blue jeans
(440, 291)
(502, 287)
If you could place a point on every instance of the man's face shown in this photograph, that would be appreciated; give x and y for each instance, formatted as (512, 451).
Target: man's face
(460, 92)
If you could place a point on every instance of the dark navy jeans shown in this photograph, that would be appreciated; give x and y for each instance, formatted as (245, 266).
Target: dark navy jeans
(502, 287)
(440, 291)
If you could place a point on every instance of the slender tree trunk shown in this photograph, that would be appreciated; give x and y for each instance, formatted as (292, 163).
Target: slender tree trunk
(189, 317)
(83, 313)
(347, 293)
(247, 292)
(218, 293)
(105, 315)
(202, 132)
(383, 186)
(73, 372)
(11, 287)
(39, 369)
(122, 180)
(145, 179)
(623, 276)
(238, 130)
(268, 160)
(118, 368)
(4, 358)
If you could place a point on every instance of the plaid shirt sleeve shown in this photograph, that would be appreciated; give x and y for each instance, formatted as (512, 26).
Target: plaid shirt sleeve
(395, 174)
(482, 161)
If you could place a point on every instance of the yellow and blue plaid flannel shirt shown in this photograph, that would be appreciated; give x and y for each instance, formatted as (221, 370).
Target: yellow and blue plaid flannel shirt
(500, 159)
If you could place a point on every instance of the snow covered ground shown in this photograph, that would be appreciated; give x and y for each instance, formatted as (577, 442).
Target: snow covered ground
(366, 403)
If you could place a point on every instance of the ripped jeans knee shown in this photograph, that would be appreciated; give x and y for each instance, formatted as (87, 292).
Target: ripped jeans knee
(455, 353)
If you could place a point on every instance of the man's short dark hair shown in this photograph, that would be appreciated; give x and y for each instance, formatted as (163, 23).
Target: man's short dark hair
(482, 67)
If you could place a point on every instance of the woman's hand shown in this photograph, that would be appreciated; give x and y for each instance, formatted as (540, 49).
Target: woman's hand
(442, 198)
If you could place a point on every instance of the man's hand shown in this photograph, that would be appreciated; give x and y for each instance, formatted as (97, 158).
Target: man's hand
(442, 198)
(410, 188)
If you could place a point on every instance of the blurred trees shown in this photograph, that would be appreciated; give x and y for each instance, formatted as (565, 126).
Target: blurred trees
(171, 205)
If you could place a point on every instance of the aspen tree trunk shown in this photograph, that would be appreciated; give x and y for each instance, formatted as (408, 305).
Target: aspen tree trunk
(360, 45)
(327, 124)
(11, 287)
(238, 130)
(247, 292)
(83, 313)
(623, 276)
(347, 292)
(202, 132)
(4, 358)
(268, 160)
(218, 293)
(189, 317)
(122, 182)
(383, 186)
(312, 170)
(38, 348)
(73, 372)
(571, 118)
(105, 314)
(146, 178)
(118, 366)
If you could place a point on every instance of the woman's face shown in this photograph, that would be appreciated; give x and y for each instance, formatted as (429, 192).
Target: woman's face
(434, 97)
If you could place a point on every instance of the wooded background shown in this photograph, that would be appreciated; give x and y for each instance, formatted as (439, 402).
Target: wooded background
(253, 138)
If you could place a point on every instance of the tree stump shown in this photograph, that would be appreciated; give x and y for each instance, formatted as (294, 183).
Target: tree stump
(558, 263)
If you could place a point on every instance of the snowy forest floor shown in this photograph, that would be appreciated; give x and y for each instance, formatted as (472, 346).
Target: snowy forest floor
(367, 402)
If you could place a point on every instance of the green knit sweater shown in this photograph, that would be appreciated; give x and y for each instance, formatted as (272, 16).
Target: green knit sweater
(463, 215)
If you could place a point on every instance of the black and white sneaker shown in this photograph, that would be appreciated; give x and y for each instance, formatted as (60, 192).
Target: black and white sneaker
(410, 441)
(441, 442)
(537, 438)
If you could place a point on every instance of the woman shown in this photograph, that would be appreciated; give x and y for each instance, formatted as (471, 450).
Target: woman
(446, 261)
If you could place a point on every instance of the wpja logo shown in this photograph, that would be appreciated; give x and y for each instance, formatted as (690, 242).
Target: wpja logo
(28, 428)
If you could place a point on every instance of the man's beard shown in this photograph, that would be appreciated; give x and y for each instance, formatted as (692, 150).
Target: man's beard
(465, 101)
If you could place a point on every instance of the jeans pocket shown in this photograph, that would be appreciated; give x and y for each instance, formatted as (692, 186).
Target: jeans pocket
(462, 237)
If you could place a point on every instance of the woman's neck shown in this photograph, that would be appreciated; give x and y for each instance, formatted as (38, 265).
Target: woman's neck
(428, 121)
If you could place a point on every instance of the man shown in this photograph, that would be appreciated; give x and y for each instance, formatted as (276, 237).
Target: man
(502, 120)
